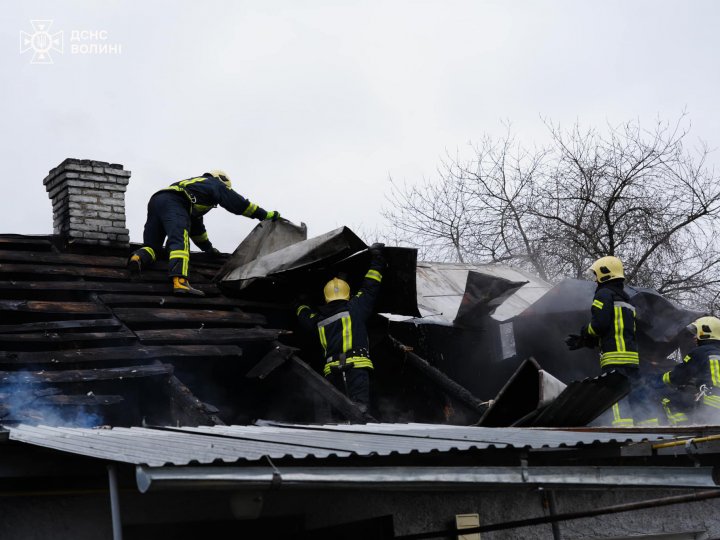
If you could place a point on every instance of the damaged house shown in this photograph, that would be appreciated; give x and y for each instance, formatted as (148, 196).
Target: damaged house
(126, 412)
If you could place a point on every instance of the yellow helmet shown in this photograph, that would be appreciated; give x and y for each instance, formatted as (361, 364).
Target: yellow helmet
(336, 289)
(221, 175)
(607, 268)
(706, 328)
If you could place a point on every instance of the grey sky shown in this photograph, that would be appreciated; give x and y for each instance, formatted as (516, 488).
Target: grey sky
(311, 105)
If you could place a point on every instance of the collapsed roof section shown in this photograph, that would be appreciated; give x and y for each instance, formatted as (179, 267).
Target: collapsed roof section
(294, 264)
(84, 344)
(463, 295)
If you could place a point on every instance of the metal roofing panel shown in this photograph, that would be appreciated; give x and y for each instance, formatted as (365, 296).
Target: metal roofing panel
(531, 398)
(441, 286)
(228, 444)
(582, 401)
(485, 437)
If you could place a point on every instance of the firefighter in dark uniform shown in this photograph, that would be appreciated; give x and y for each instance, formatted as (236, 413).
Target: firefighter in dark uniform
(700, 369)
(177, 211)
(612, 329)
(341, 325)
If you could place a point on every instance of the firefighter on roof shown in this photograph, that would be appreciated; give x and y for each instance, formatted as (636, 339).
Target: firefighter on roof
(612, 329)
(177, 211)
(701, 369)
(341, 326)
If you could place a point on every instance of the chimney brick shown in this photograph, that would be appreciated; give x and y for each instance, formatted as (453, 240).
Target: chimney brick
(88, 200)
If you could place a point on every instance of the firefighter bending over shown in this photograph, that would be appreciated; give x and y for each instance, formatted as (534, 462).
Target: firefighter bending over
(701, 369)
(341, 325)
(176, 212)
(612, 329)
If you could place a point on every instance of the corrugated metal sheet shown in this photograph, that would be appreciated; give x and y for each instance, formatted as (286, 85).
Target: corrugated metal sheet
(582, 401)
(441, 286)
(228, 444)
(532, 397)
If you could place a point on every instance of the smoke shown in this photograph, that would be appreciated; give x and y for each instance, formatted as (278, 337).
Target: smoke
(388, 409)
(671, 407)
(34, 406)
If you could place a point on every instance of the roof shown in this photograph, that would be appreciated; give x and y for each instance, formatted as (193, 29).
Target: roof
(85, 343)
(79, 329)
(230, 444)
(441, 287)
(407, 456)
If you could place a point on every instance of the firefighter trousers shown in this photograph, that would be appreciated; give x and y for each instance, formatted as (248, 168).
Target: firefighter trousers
(641, 406)
(358, 384)
(168, 216)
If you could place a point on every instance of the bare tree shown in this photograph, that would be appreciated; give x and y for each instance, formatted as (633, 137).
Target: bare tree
(632, 192)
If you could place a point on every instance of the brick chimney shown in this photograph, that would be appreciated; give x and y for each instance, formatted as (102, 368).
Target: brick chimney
(88, 200)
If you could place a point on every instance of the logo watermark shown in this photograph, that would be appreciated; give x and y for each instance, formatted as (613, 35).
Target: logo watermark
(82, 42)
(41, 42)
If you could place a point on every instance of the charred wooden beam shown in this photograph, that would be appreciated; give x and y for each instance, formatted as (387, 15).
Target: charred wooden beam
(84, 375)
(277, 356)
(12, 241)
(115, 354)
(188, 409)
(82, 400)
(92, 272)
(62, 259)
(41, 306)
(209, 335)
(60, 326)
(318, 384)
(444, 382)
(121, 337)
(141, 300)
(77, 271)
(186, 316)
(96, 286)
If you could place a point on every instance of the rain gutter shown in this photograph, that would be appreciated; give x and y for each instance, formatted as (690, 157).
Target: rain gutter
(414, 478)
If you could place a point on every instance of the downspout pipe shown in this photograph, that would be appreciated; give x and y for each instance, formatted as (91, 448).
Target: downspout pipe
(114, 502)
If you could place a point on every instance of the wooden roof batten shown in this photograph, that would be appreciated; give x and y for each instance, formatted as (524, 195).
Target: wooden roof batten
(73, 319)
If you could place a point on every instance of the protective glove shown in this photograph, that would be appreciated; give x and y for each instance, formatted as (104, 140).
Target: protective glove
(574, 342)
(272, 215)
(588, 340)
(302, 299)
(213, 251)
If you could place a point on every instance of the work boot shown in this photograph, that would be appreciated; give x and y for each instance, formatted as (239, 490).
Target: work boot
(134, 264)
(181, 286)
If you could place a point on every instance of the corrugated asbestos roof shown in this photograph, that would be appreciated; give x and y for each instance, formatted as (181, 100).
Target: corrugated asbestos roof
(204, 445)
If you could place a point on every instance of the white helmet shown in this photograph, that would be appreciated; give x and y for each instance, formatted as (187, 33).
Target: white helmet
(221, 175)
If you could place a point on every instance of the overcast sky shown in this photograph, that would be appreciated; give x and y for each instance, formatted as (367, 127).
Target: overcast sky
(311, 106)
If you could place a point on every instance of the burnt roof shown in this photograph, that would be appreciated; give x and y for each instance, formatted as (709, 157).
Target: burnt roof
(84, 343)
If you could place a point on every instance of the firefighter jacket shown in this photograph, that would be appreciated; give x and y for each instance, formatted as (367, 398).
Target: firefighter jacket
(612, 323)
(205, 193)
(701, 366)
(342, 324)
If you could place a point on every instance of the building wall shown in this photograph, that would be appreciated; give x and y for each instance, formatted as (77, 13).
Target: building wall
(282, 513)
(414, 513)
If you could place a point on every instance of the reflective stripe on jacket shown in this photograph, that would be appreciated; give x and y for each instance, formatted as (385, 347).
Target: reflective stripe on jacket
(341, 325)
(207, 192)
(613, 323)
